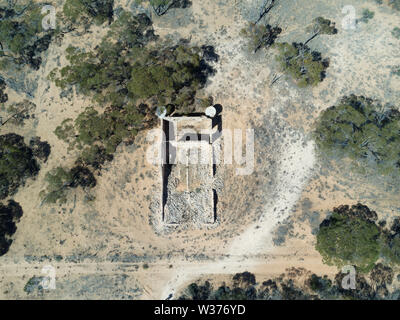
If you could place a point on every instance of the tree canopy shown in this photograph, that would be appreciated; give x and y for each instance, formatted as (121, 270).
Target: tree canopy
(260, 36)
(306, 67)
(22, 37)
(161, 7)
(363, 131)
(17, 163)
(127, 76)
(125, 68)
(9, 216)
(320, 25)
(87, 11)
(350, 237)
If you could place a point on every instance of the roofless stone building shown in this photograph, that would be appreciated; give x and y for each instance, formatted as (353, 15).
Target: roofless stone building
(187, 170)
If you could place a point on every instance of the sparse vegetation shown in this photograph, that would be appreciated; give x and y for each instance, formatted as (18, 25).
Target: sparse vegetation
(260, 36)
(34, 283)
(366, 15)
(396, 32)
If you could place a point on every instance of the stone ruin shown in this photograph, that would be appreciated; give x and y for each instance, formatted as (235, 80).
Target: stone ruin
(188, 170)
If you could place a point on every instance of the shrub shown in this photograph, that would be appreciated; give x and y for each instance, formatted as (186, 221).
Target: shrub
(84, 12)
(320, 25)
(129, 75)
(349, 237)
(40, 149)
(396, 70)
(363, 131)
(260, 36)
(3, 95)
(395, 4)
(367, 15)
(9, 216)
(22, 38)
(305, 66)
(19, 112)
(161, 7)
(17, 163)
(59, 180)
(396, 32)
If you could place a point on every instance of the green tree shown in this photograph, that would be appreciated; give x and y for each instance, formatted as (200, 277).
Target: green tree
(363, 131)
(84, 12)
(3, 95)
(396, 32)
(9, 216)
(17, 163)
(59, 180)
(320, 25)
(260, 36)
(391, 244)
(161, 7)
(395, 4)
(366, 15)
(305, 66)
(128, 75)
(22, 37)
(350, 237)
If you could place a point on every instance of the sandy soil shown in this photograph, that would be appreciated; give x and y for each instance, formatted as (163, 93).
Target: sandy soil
(105, 245)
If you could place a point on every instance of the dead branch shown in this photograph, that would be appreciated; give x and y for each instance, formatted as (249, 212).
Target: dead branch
(266, 8)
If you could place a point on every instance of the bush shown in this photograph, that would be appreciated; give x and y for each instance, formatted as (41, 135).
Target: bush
(19, 112)
(21, 35)
(161, 7)
(396, 32)
(129, 77)
(40, 149)
(9, 216)
(17, 163)
(84, 12)
(395, 4)
(3, 95)
(320, 25)
(363, 131)
(349, 237)
(59, 180)
(260, 36)
(367, 15)
(305, 66)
